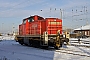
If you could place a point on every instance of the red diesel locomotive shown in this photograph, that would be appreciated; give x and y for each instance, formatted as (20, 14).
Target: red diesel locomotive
(41, 32)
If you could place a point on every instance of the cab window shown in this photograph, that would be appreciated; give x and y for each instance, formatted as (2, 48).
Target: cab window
(30, 20)
(24, 21)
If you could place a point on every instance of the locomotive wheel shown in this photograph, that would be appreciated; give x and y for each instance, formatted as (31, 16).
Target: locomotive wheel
(56, 47)
(21, 42)
(44, 47)
(67, 41)
(30, 43)
(25, 44)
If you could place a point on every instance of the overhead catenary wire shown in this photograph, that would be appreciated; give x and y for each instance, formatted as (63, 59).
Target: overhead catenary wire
(15, 6)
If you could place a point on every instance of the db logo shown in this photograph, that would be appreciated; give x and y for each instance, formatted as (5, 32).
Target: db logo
(34, 25)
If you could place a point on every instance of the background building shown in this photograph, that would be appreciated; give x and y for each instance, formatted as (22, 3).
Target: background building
(83, 30)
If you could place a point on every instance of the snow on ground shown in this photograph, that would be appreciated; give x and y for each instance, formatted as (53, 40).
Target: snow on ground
(14, 51)
(86, 39)
(6, 37)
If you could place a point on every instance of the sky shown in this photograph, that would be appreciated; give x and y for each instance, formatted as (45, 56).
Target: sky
(75, 13)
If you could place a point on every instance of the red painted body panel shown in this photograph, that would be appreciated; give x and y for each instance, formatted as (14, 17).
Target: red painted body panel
(53, 25)
(36, 25)
(35, 28)
(24, 31)
(20, 30)
(27, 27)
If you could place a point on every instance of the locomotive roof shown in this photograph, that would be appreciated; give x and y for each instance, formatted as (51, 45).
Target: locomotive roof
(40, 17)
(52, 18)
(33, 17)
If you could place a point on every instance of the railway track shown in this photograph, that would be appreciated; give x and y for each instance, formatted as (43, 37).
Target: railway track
(76, 52)
(80, 45)
(73, 52)
(83, 43)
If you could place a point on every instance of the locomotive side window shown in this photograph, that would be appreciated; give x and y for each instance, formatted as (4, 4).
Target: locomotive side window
(24, 21)
(30, 20)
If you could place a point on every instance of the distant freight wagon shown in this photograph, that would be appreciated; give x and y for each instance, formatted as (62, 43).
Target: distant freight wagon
(41, 32)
